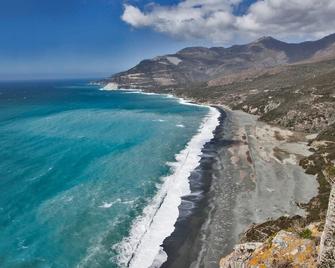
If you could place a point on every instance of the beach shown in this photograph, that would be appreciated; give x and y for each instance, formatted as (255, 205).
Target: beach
(142, 248)
(249, 173)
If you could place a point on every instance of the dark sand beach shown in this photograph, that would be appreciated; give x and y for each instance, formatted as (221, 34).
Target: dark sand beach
(240, 181)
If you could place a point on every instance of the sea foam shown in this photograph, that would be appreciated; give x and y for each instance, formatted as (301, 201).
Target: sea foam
(142, 248)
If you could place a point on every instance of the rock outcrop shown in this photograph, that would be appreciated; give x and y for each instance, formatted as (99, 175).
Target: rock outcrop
(327, 245)
(286, 249)
(240, 256)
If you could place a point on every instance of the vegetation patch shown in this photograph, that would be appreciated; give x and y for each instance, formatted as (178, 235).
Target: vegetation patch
(331, 171)
(262, 232)
(306, 234)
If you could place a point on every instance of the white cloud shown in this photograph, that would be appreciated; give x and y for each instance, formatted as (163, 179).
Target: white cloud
(214, 20)
(135, 17)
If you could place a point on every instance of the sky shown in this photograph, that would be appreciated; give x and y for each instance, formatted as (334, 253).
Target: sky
(96, 38)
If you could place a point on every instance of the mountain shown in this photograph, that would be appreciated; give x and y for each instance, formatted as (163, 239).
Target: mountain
(200, 64)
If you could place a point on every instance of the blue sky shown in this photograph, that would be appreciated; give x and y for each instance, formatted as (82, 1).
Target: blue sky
(88, 38)
(46, 38)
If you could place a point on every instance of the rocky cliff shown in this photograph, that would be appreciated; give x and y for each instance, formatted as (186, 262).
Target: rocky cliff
(327, 249)
(285, 249)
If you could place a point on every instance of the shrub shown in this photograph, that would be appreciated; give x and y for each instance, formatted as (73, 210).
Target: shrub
(306, 234)
(331, 171)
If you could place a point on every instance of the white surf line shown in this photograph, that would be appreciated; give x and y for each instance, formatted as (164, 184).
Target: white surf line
(167, 95)
(142, 247)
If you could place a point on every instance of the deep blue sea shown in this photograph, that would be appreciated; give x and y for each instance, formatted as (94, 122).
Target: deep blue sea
(78, 166)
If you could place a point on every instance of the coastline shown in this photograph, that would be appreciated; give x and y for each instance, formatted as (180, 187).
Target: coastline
(142, 248)
(239, 182)
(184, 244)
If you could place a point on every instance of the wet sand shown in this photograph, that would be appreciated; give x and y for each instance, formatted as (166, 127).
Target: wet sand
(249, 173)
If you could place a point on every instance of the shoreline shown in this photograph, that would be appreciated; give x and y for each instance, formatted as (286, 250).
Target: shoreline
(142, 248)
(184, 244)
(228, 208)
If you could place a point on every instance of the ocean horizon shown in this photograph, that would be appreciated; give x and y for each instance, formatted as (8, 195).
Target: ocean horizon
(93, 178)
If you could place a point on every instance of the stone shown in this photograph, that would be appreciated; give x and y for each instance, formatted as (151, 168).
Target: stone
(286, 249)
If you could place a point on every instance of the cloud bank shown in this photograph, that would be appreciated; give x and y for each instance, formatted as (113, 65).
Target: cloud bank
(216, 21)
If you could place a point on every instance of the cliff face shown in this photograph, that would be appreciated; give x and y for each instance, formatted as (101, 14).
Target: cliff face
(327, 248)
(327, 245)
(200, 64)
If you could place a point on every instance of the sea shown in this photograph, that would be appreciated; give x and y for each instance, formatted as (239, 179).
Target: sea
(90, 177)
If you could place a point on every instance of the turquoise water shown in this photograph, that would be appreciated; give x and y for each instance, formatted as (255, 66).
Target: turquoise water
(78, 165)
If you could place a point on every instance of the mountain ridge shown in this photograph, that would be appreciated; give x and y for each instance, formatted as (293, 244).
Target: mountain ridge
(202, 64)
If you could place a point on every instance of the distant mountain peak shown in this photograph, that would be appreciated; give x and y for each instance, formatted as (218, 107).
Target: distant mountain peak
(265, 38)
(188, 50)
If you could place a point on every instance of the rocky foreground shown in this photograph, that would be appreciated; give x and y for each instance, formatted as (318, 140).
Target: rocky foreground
(285, 249)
